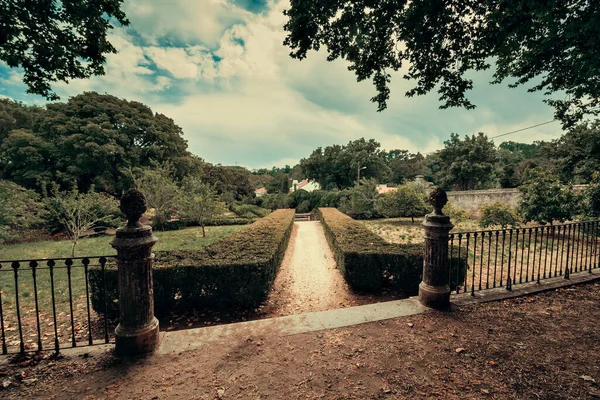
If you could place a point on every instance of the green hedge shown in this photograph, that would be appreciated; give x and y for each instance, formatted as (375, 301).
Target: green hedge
(239, 270)
(369, 263)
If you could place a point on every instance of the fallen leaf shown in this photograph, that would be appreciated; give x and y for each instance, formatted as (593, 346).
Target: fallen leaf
(459, 350)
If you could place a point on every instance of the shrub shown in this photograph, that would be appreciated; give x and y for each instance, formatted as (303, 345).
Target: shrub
(249, 211)
(455, 213)
(497, 213)
(592, 197)
(367, 262)
(362, 200)
(237, 271)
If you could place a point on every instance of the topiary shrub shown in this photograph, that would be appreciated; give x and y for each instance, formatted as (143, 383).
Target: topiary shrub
(498, 214)
(237, 271)
(368, 263)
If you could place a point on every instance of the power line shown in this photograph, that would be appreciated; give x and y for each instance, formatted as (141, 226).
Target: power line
(523, 129)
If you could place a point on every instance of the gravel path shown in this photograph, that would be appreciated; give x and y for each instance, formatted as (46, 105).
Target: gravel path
(308, 279)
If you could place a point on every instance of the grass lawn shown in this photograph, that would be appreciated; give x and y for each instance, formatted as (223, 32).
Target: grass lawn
(185, 239)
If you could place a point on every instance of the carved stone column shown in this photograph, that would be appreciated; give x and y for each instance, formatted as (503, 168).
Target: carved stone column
(434, 290)
(137, 332)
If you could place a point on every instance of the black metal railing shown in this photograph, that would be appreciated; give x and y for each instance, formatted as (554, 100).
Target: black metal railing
(45, 304)
(506, 257)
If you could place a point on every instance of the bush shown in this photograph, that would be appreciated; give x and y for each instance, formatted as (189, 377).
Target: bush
(249, 210)
(406, 201)
(455, 213)
(237, 271)
(497, 213)
(362, 200)
(367, 262)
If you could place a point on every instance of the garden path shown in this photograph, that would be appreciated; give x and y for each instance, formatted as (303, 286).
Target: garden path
(308, 279)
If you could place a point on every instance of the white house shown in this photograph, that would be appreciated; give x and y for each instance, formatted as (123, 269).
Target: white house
(305, 184)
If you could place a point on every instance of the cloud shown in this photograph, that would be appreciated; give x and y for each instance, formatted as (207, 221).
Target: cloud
(222, 73)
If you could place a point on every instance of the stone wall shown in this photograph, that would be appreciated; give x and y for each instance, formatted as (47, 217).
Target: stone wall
(472, 200)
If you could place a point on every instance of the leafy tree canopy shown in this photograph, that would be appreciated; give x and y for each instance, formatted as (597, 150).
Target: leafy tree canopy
(550, 44)
(577, 152)
(336, 167)
(544, 199)
(465, 164)
(92, 139)
(57, 40)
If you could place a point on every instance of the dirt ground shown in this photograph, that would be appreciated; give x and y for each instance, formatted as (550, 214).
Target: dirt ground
(538, 347)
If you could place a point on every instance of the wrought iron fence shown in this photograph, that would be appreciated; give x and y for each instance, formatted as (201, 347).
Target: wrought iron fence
(45, 304)
(505, 257)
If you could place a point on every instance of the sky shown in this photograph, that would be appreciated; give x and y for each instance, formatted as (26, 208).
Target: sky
(219, 69)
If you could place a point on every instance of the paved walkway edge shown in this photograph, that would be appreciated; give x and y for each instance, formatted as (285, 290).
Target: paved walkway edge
(524, 289)
(190, 339)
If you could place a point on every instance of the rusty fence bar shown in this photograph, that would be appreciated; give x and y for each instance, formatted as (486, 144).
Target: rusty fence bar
(45, 304)
(494, 258)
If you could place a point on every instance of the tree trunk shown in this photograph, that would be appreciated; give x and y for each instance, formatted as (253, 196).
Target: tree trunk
(203, 231)
(73, 248)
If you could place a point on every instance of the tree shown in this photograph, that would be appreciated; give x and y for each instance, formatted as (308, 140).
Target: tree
(544, 199)
(161, 191)
(94, 139)
(336, 167)
(405, 166)
(465, 164)
(577, 152)
(361, 202)
(228, 180)
(57, 40)
(443, 41)
(405, 201)
(199, 202)
(80, 212)
(592, 196)
(20, 209)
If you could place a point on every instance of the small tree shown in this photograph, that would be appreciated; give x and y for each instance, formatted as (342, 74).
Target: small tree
(362, 200)
(161, 191)
(79, 212)
(20, 209)
(405, 201)
(544, 199)
(497, 213)
(200, 202)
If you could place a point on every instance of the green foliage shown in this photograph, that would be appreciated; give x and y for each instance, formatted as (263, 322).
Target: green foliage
(249, 211)
(544, 199)
(465, 164)
(161, 192)
(232, 182)
(80, 212)
(237, 271)
(304, 207)
(92, 139)
(57, 40)
(20, 209)
(498, 214)
(367, 262)
(405, 166)
(592, 196)
(336, 167)
(199, 203)
(578, 152)
(362, 200)
(439, 45)
(455, 213)
(405, 201)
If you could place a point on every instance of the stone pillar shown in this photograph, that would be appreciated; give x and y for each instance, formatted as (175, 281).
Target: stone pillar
(434, 290)
(137, 332)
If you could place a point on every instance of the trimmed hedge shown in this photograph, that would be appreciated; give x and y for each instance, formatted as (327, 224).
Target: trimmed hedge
(239, 270)
(369, 263)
